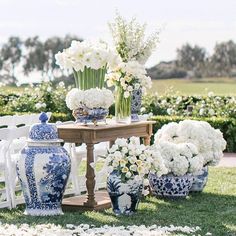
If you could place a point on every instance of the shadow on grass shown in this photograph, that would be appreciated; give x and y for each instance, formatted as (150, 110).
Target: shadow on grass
(213, 213)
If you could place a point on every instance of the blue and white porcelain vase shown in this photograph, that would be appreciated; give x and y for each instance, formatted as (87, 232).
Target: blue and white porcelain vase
(124, 197)
(171, 186)
(200, 180)
(43, 169)
(136, 103)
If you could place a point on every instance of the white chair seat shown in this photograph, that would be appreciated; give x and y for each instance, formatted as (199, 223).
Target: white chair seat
(18, 144)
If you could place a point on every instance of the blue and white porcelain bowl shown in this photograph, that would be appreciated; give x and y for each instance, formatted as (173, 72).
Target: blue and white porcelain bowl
(171, 186)
(86, 115)
(43, 170)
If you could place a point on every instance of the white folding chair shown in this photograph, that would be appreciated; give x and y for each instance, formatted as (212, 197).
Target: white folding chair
(5, 193)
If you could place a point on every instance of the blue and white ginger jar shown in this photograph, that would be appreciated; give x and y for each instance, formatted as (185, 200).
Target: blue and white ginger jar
(43, 169)
(124, 197)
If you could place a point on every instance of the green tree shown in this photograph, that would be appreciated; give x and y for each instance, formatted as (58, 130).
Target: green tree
(35, 57)
(11, 53)
(223, 59)
(191, 59)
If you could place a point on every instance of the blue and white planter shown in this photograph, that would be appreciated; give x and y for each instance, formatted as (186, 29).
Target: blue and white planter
(125, 197)
(171, 186)
(200, 180)
(86, 115)
(43, 170)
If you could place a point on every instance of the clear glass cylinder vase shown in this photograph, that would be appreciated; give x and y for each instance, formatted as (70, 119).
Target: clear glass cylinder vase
(122, 106)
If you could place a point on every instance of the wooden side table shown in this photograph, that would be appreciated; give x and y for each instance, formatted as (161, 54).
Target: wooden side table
(75, 133)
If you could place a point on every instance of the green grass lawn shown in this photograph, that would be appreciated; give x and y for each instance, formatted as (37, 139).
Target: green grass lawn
(220, 86)
(214, 210)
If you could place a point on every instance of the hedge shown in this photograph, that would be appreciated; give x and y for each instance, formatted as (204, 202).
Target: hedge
(226, 125)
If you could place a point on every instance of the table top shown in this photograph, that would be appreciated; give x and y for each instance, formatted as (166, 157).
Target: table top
(111, 124)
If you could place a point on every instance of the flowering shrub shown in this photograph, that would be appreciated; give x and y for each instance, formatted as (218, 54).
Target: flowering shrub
(209, 141)
(179, 159)
(43, 97)
(197, 106)
(133, 160)
(91, 98)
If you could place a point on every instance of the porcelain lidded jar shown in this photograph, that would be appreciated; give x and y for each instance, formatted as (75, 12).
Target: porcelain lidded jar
(43, 169)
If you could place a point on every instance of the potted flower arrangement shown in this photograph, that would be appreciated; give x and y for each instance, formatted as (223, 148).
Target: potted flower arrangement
(209, 142)
(127, 77)
(181, 161)
(89, 105)
(89, 62)
(132, 44)
(129, 163)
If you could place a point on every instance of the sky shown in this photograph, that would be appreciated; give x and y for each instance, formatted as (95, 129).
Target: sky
(202, 22)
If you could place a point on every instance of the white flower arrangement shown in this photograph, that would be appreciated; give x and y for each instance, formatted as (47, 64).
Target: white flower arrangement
(131, 75)
(129, 39)
(179, 159)
(209, 141)
(91, 98)
(94, 55)
(133, 160)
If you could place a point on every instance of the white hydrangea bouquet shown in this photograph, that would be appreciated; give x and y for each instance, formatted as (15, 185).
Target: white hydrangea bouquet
(88, 61)
(133, 161)
(91, 98)
(209, 141)
(179, 159)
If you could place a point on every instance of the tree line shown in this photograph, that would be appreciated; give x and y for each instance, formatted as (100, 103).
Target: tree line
(31, 55)
(35, 55)
(194, 61)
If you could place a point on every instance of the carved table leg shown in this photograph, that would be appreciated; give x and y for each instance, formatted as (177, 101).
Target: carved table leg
(90, 177)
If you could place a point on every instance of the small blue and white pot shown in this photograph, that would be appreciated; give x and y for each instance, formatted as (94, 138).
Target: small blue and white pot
(86, 115)
(171, 186)
(43, 170)
(125, 197)
(200, 180)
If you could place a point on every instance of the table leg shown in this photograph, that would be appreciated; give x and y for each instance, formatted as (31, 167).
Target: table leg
(111, 143)
(90, 177)
(147, 139)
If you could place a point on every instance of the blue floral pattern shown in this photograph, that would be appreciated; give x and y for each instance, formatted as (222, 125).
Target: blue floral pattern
(200, 180)
(170, 185)
(86, 115)
(43, 182)
(136, 102)
(42, 132)
(124, 196)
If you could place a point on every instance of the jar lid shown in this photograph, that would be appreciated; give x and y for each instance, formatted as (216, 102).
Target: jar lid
(43, 131)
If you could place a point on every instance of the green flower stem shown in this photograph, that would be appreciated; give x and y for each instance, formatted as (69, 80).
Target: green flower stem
(122, 104)
(90, 78)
